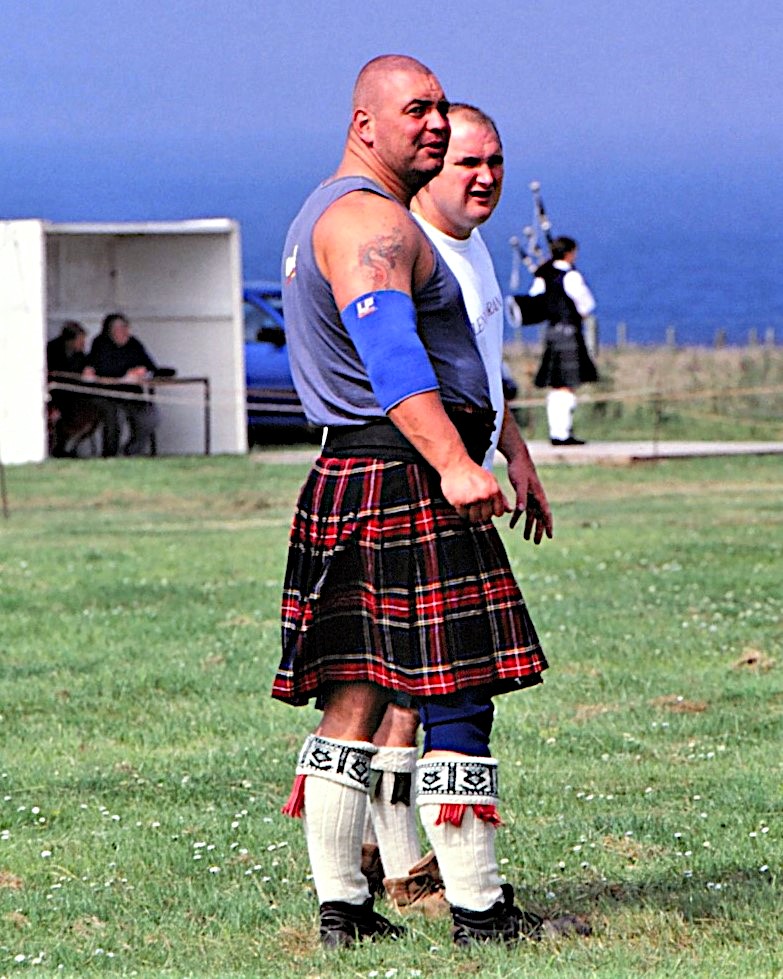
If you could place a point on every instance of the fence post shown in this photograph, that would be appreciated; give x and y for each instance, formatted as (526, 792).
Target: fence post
(591, 335)
(671, 336)
(622, 334)
(753, 337)
(769, 336)
(720, 338)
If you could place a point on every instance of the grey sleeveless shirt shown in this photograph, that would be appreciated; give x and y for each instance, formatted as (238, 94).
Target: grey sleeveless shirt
(329, 376)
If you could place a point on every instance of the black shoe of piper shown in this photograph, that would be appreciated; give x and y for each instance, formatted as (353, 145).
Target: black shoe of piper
(571, 440)
(342, 924)
(504, 922)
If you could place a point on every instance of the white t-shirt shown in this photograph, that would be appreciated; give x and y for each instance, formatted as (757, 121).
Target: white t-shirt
(472, 266)
(574, 287)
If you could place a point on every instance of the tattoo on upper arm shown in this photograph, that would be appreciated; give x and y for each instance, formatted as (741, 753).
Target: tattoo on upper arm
(379, 256)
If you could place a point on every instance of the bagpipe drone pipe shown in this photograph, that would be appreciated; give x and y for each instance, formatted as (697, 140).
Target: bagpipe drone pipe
(521, 309)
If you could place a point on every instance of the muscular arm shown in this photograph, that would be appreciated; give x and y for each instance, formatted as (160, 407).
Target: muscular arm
(364, 243)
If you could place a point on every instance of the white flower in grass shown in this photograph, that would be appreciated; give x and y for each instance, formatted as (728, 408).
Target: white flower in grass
(214, 870)
(46, 853)
(763, 868)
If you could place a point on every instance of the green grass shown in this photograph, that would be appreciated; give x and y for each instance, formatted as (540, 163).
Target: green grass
(143, 764)
(669, 393)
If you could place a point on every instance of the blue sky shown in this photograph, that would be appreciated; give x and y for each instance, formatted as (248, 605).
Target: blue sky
(637, 116)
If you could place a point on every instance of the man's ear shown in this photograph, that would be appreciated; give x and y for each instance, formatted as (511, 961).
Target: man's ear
(363, 124)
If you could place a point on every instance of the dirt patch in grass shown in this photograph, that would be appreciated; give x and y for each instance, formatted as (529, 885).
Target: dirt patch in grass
(10, 881)
(680, 705)
(586, 712)
(754, 659)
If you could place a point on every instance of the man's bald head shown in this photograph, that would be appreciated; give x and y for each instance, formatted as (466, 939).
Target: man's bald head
(370, 81)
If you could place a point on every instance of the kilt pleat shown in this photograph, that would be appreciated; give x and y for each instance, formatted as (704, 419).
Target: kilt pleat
(386, 583)
(566, 361)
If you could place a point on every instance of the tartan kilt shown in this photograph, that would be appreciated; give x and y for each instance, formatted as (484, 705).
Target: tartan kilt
(566, 362)
(385, 583)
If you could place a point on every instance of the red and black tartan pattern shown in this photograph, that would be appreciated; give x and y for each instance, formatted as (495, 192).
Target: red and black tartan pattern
(385, 583)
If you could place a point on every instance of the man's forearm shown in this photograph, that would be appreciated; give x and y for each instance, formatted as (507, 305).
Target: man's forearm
(422, 419)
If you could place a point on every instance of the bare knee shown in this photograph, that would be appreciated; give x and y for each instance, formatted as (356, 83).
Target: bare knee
(398, 727)
(353, 711)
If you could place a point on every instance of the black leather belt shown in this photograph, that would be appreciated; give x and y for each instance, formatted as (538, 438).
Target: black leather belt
(381, 438)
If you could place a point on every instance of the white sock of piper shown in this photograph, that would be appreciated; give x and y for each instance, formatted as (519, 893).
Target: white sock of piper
(466, 857)
(393, 815)
(559, 409)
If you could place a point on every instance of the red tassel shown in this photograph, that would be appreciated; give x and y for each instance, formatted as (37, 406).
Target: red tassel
(454, 813)
(488, 814)
(295, 805)
(451, 812)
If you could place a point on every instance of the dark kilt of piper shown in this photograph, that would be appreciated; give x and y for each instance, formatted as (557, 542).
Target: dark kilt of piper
(566, 362)
(386, 583)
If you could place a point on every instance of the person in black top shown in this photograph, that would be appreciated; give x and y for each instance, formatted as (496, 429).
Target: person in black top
(72, 415)
(117, 354)
(566, 362)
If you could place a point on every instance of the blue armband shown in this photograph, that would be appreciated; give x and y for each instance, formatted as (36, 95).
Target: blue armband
(382, 326)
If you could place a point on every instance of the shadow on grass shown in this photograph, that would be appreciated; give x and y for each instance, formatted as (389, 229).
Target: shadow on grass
(737, 890)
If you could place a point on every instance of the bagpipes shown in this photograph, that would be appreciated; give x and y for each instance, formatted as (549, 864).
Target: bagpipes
(521, 309)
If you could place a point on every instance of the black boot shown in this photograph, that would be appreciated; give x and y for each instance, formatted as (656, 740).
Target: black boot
(504, 922)
(342, 924)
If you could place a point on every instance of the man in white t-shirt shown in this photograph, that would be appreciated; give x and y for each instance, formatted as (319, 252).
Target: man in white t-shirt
(450, 210)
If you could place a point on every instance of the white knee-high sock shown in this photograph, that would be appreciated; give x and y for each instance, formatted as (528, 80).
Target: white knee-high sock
(334, 823)
(394, 822)
(559, 409)
(466, 857)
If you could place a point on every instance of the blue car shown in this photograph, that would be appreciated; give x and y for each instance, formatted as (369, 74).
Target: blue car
(274, 410)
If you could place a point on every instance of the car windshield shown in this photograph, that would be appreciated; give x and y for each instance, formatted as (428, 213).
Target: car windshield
(260, 322)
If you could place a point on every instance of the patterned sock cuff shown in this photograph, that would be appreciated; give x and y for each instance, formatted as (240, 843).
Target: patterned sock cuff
(346, 762)
(467, 782)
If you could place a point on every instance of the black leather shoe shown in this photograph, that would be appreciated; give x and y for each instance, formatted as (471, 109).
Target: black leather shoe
(504, 922)
(342, 924)
(569, 441)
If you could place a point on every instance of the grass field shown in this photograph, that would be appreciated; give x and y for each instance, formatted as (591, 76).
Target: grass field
(669, 393)
(143, 764)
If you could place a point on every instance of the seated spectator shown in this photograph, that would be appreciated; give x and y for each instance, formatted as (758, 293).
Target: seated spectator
(117, 354)
(72, 415)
